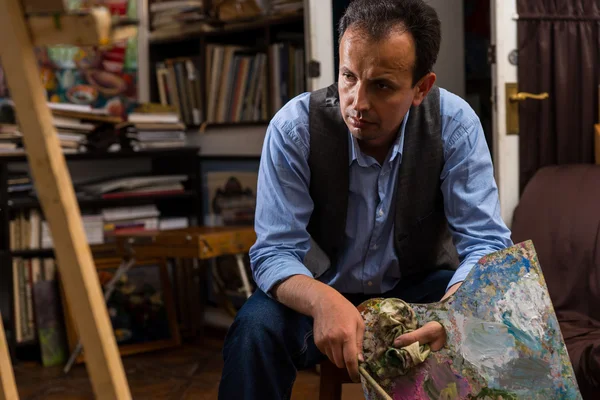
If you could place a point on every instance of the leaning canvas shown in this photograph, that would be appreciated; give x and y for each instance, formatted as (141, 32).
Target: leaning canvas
(503, 339)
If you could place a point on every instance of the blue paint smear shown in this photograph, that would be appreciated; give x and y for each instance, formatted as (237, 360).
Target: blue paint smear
(520, 336)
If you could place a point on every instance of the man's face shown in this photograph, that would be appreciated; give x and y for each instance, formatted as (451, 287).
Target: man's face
(376, 83)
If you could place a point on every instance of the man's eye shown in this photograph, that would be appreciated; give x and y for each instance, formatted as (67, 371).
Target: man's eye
(382, 86)
(348, 76)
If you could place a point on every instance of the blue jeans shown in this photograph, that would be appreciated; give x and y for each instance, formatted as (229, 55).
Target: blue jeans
(268, 342)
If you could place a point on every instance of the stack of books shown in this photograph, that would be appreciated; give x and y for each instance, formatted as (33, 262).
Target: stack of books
(134, 186)
(19, 183)
(10, 138)
(81, 128)
(155, 127)
(129, 220)
(286, 6)
(173, 17)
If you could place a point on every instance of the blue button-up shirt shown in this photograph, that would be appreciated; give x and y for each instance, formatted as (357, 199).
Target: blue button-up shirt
(368, 263)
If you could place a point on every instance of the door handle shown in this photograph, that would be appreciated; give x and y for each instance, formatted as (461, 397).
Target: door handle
(524, 95)
(513, 98)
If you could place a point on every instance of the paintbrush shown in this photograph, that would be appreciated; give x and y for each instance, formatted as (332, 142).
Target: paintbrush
(373, 383)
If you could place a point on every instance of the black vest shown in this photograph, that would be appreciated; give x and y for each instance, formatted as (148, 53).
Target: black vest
(422, 240)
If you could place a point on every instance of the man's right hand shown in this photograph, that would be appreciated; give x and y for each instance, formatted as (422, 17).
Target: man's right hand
(338, 326)
(338, 331)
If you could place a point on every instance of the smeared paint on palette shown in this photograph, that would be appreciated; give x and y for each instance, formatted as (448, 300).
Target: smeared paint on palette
(504, 341)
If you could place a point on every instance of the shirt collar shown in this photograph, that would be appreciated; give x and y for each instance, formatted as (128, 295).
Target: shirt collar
(356, 154)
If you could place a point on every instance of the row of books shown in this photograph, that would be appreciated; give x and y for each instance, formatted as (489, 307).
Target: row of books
(237, 83)
(37, 305)
(287, 73)
(179, 86)
(29, 231)
(27, 276)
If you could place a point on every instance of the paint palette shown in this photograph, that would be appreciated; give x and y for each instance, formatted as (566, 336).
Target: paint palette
(503, 338)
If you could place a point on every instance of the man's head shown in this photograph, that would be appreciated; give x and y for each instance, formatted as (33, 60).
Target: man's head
(387, 52)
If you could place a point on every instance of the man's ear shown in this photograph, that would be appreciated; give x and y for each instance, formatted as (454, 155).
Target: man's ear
(423, 87)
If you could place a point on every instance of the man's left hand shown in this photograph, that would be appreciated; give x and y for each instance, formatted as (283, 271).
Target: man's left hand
(432, 333)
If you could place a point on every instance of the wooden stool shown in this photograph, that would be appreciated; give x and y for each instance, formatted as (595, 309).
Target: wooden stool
(332, 379)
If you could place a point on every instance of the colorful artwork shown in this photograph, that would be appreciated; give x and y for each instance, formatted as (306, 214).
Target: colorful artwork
(504, 341)
(101, 77)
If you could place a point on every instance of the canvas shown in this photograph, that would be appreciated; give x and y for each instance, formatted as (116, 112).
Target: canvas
(503, 339)
(98, 76)
(141, 308)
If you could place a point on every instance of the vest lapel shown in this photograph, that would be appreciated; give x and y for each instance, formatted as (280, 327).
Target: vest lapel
(328, 161)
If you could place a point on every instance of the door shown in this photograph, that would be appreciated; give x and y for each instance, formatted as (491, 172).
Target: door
(504, 70)
(318, 42)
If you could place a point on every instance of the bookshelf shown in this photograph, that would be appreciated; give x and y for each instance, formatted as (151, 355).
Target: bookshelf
(186, 203)
(244, 71)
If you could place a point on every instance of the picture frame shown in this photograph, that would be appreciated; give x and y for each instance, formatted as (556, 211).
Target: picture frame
(141, 308)
(229, 196)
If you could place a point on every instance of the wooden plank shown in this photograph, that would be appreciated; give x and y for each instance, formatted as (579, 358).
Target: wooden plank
(193, 242)
(8, 388)
(45, 6)
(57, 197)
(89, 28)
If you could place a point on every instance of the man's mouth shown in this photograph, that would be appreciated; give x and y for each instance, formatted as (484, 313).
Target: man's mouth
(359, 123)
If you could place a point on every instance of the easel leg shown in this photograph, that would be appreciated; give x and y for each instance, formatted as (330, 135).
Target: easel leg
(242, 270)
(8, 388)
(59, 205)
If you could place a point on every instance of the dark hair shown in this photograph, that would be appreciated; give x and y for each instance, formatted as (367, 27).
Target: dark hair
(378, 18)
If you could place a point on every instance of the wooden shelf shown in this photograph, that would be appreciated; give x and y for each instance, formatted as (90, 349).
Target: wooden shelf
(225, 28)
(21, 157)
(203, 128)
(30, 202)
(98, 250)
(85, 28)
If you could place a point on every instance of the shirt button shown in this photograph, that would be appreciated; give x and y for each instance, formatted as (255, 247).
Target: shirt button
(380, 212)
(370, 283)
(374, 247)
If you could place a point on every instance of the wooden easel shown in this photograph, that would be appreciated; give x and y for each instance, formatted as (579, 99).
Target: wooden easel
(19, 34)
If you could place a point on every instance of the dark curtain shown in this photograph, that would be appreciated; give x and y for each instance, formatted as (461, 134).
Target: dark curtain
(558, 47)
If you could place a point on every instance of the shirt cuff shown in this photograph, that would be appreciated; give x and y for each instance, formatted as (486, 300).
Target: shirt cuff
(276, 270)
(464, 269)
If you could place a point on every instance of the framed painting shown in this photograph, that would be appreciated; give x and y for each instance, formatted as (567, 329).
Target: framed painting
(141, 307)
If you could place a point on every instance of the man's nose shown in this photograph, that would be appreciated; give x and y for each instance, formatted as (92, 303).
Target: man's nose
(361, 98)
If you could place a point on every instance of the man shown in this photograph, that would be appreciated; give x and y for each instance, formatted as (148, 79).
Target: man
(380, 186)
